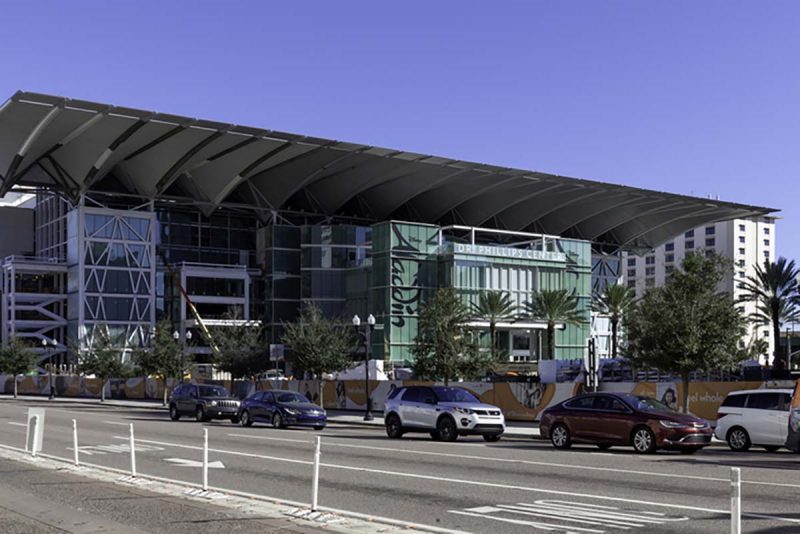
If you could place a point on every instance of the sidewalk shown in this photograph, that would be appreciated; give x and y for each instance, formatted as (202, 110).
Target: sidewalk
(514, 429)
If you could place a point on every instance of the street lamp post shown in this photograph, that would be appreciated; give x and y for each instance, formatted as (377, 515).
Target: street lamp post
(50, 364)
(177, 336)
(367, 336)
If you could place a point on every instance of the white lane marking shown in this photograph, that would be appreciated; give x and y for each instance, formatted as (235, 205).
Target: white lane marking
(182, 462)
(115, 448)
(469, 482)
(536, 525)
(329, 443)
(16, 424)
(116, 423)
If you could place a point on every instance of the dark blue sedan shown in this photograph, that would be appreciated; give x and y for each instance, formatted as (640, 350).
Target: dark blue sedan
(282, 409)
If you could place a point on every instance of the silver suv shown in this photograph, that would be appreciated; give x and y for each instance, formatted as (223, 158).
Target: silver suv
(445, 412)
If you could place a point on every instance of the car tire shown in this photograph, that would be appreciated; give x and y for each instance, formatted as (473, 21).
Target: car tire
(643, 440)
(394, 428)
(738, 439)
(245, 420)
(559, 436)
(603, 446)
(235, 419)
(447, 429)
(435, 436)
(277, 421)
(771, 448)
(491, 438)
(200, 414)
(174, 414)
(319, 427)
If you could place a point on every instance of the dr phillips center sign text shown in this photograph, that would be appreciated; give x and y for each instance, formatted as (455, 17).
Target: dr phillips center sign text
(508, 252)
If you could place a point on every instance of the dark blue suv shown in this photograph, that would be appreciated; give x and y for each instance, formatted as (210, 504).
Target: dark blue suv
(282, 409)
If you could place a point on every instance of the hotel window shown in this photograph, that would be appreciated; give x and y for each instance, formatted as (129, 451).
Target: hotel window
(742, 251)
(766, 242)
(766, 231)
(765, 333)
(669, 258)
(631, 273)
(711, 230)
(650, 271)
(632, 284)
(689, 245)
(741, 274)
(690, 233)
(631, 262)
(650, 260)
(766, 254)
(669, 247)
(741, 228)
(741, 263)
(669, 268)
(741, 239)
(710, 242)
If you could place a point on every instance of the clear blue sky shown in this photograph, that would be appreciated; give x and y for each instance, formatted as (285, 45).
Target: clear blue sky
(690, 97)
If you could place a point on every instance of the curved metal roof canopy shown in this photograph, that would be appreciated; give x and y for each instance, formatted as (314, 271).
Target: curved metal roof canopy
(77, 147)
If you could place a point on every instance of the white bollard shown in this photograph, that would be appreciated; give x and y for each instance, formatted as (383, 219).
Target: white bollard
(736, 500)
(75, 441)
(205, 459)
(33, 433)
(315, 480)
(133, 454)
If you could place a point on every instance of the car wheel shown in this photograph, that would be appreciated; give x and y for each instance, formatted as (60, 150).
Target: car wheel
(603, 446)
(644, 441)
(771, 448)
(235, 419)
(491, 438)
(738, 439)
(200, 414)
(245, 420)
(435, 436)
(394, 428)
(560, 438)
(174, 414)
(277, 421)
(446, 428)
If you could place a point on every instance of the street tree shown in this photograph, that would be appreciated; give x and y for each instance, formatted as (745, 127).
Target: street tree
(16, 358)
(554, 306)
(494, 307)
(163, 358)
(687, 324)
(444, 348)
(102, 359)
(614, 301)
(317, 344)
(774, 289)
(242, 348)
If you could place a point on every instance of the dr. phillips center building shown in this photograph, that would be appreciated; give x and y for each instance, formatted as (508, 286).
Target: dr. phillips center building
(102, 201)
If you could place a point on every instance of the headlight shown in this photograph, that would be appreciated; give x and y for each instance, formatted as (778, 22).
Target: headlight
(292, 411)
(213, 403)
(463, 410)
(672, 424)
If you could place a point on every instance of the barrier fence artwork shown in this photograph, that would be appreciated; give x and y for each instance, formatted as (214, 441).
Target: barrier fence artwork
(520, 401)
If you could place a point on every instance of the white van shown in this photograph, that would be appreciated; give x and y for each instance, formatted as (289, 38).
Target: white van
(754, 417)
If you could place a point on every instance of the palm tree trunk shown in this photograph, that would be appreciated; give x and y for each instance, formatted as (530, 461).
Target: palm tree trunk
(102, 390)
(551, 341)
(164, 402)
(776, 336)
(493, 339)
(614, 338)
(16, 377)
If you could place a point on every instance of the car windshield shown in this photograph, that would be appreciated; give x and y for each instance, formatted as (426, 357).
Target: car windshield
(295, 398)
(648, 404)
(213, 391)
(454, 395)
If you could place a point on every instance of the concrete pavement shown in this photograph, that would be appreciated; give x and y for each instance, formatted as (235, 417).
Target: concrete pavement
(467, 486)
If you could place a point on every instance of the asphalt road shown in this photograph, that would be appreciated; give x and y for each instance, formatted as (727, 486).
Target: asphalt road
(468, 486)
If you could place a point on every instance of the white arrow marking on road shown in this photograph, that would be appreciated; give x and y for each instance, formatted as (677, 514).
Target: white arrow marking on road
(181, 462)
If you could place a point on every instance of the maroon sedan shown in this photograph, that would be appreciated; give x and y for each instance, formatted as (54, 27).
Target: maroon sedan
(606, 419)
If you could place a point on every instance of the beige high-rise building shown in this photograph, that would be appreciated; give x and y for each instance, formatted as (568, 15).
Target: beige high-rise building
(748, 242)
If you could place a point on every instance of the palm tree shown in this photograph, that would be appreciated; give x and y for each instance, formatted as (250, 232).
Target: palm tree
(615, 301)
(774, 290)
(495, 307)
(554, 306)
